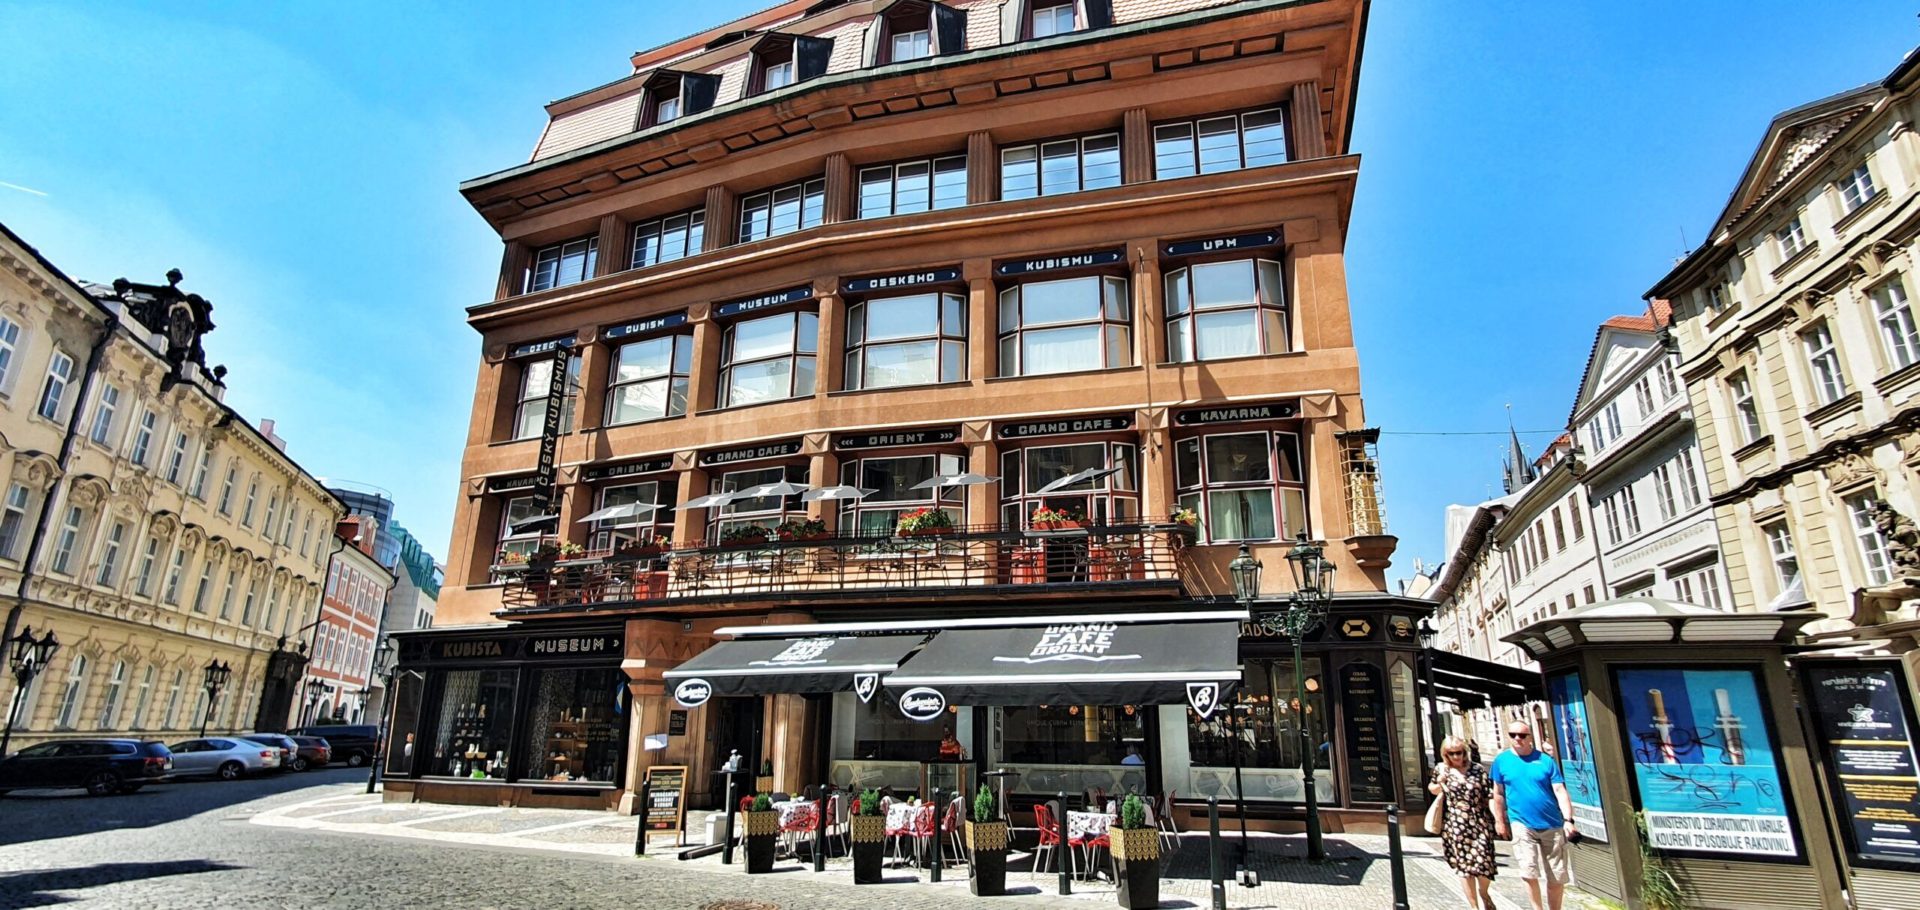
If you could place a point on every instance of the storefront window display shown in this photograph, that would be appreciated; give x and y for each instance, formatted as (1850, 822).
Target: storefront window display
(1263, 732)
(875, 746)
(476, 725)
(1571, 731)
(1704, 764)
(574, 726)
(404, 733)
(1075, 748)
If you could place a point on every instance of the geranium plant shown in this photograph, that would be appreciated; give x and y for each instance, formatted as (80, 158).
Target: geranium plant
(925, 521)
(1186, 517)
(801, 529)
(1044, 517)
(740, 535)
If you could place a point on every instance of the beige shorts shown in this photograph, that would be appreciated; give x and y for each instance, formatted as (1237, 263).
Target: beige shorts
(1540, 854)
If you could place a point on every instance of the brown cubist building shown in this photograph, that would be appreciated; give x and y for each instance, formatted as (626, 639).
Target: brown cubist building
(854, 327)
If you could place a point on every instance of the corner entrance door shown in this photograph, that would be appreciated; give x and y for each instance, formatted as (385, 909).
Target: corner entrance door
(735, 726)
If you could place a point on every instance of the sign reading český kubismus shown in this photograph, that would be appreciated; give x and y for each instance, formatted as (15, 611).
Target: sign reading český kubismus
(890, 439)
(902, 280)
(1862, 718)
(1218, 244)
(1059, 262)
(1706, 766)
(543, 490)
(762, 302)
(1102, 423)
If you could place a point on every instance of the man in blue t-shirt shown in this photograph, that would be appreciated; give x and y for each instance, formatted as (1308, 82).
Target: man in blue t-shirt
(1530, 791)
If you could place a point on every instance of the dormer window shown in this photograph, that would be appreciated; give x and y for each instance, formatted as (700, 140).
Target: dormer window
(780, 60)
(669, 95)
(915, 30)
(1048, 21)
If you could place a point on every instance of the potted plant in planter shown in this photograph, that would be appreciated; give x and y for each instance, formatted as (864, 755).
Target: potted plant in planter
(1136, 856)
(867, 829)
(763, 828)
(743, 536)
(987, 843)
(1045, 519)
(925, 523)
(642, 549)
(764, 782)
(802, 529)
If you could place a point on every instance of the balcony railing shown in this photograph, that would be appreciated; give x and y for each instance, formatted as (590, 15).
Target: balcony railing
(985, 560)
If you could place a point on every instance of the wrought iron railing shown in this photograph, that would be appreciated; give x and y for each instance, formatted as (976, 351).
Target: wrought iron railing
(967, 559)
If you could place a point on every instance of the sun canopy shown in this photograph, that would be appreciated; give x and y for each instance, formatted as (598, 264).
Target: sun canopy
(1098, 663)
(1472, 682)
(624, 510)
(789, 666)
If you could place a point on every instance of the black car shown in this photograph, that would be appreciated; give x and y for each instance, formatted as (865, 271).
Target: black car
(102, 766)
(351, 743)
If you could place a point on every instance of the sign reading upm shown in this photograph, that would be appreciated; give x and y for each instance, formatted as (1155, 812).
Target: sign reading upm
(1079, 641)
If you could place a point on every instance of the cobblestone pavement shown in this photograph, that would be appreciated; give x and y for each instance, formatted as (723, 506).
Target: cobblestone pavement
(314, 840)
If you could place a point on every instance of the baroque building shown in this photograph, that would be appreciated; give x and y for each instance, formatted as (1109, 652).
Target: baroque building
(926, 332)
(148, 525)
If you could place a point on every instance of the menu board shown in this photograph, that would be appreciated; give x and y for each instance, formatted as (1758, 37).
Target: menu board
(666, 799)
(1863, 721)
(1704, 761)
(1575, 738)
(1363, 698)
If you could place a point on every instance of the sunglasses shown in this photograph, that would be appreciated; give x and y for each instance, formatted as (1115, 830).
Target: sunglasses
(1455, 754)
(1521, 735)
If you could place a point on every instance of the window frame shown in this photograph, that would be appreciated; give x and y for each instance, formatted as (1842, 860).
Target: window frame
(1035, 12)
(53, 392)
(1871, 546)
(67, 540)
(13, 518)
(856, 353)
(10, 333)
(1270, 306)
(1040, 155)
(936, 167)
(1746, 408)
(1893, 317)
(106, 411)
(1790, 239)
(678, 374)
(809, 201)
(1856, 189)
(1782, 555)
(587, 251)
(947, 499)
(528, 398)
(1825, 371)
(691, 231)
(110, 544)
(1183, 140)
(1284, 496)
(1110, 289)
(1106, 497)
(802, 334)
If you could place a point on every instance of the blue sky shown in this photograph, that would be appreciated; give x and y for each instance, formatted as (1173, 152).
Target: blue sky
(1530, 169)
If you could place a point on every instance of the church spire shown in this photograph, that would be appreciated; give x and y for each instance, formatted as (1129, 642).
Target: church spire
(1518, 468)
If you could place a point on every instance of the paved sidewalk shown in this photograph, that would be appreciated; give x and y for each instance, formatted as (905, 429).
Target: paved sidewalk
(1357, 875)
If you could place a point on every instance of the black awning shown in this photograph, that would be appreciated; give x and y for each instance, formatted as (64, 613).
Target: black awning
(1102, 663)
(789, 666)
(1499, 684)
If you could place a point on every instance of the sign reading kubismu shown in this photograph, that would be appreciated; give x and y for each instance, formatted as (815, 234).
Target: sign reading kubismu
(1060, 261)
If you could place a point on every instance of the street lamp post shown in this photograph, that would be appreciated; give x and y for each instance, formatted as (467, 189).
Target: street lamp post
(215, 677)
(27, 658)
(1246, 588)
(1426, 633)
(383, 668)
(314, 690)
(1306, 608)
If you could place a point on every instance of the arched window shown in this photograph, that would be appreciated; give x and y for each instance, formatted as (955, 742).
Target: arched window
(918, 339)
(1217, 310)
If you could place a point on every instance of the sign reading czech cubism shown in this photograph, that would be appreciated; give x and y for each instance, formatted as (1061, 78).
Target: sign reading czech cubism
(1704, 761)
(1575, 737)
(1863, 722)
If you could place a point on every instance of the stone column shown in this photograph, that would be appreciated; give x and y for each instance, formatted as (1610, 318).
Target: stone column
(830, 362)
(983, 169)
(1136, 146)
(838, 205)
(703, 377)
(1307, 132)
(1149, 309)
(983, 321)
(719, 219)
(513, 268)
(615, 254)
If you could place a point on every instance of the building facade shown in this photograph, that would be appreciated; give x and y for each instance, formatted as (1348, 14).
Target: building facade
(339, 681)
(151, 527)
(810, 288)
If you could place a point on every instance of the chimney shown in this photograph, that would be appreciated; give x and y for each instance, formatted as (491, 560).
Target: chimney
(266, 429)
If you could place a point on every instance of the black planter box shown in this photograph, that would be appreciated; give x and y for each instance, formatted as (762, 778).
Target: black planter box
(989, 873)
(760, 853)
(866, 863)
(1136, 859)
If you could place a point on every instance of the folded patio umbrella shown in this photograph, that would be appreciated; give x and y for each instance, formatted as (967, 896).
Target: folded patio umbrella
(841, 492)
(1078, 477)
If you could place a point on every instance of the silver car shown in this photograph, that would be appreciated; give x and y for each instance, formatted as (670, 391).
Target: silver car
(223, 757)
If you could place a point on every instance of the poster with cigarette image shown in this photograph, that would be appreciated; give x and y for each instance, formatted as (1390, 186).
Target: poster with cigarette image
(1703, 761)
(1570, 730)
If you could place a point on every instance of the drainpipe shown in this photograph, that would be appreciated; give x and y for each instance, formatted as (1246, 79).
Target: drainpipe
(66, 454)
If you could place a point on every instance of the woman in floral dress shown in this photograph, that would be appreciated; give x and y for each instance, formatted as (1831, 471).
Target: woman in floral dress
(1466, 829)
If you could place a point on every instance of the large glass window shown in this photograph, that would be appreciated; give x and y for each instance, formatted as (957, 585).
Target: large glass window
(666, 239)
(912, 45)
(1262, 736)
(563, 264)
(768, 359)
(474, 738)
(913, 186)
(1226, 143)
(536, 380)
(1740, 388)
(783, 210)
(1895, 317)
(1217, 310)
(404, 723)
(764, 511)
(613, 532)
(1110, 499)
(1244, 486)
(103, 413)
(13, 519)
(1060, 166)
(1875, 554)
(1065, 325)
(892, 481)
(1823, 362)
(1075, 747)
(517, 510)
(1051, 19)
(9, 344)
(574, 730)
(901, 341)
(649, 379)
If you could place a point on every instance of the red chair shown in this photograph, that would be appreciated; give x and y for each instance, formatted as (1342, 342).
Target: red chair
(1049, 837)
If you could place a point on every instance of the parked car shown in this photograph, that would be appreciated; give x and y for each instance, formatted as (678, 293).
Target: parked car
(102, 766)
(351, 743)
(288, 748)
(228, 758)
(314, 752)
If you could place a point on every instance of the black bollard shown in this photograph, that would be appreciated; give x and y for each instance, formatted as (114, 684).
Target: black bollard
(1218, 887)
(937, 863)
(640, 837)
(726, 852)
(1062, 852)
(1397, 858)
(820, 828)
